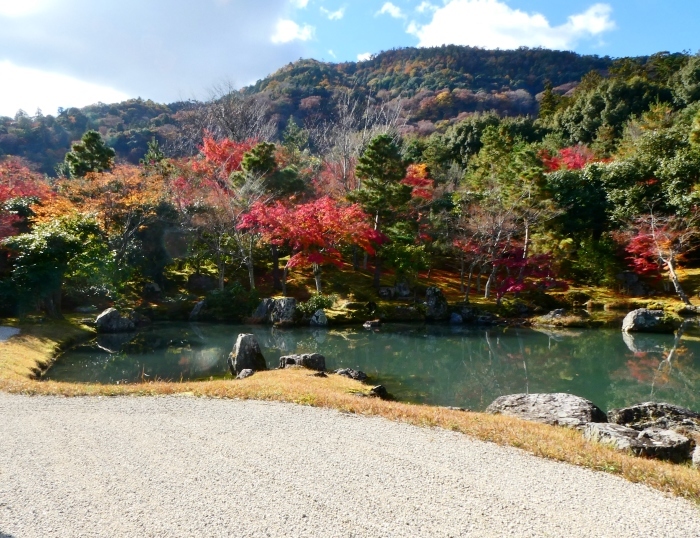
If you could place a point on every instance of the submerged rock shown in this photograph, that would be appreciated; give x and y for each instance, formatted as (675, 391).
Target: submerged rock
(246, 355)
(456, 319)
(558, 409)
(652, 321)
(313, 361)
(651, 442)
(111, 321)
(357, 375)
(656, 415)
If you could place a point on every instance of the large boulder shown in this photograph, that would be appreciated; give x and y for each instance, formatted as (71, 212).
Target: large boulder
(284, 312)
(263, 311)
(558, 409)
(651, 442)
(111, 321)
(650, 321)
(319, 319)
(436, 307)
(696, 457)
(246, 355)
(656, 415)
(312, 361)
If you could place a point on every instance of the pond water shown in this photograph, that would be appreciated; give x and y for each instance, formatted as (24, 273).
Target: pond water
(434, 364)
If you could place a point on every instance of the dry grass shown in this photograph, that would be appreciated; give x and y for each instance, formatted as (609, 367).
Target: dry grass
(24, 355)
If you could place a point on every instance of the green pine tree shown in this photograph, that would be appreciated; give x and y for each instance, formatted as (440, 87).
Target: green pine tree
(91, 154)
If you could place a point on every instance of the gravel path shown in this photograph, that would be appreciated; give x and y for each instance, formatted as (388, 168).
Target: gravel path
(182, 466)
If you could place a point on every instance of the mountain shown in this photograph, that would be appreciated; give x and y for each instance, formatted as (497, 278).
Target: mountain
(435, 86)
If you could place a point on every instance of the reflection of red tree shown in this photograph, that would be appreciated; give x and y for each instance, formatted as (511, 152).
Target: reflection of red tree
(643, 367)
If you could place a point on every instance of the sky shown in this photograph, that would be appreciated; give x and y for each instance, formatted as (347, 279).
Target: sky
(63, 53)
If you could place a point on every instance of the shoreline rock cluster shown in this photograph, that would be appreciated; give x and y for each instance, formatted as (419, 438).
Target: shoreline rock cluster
(650, 429)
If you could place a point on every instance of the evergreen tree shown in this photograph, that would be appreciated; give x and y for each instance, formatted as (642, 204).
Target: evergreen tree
(91, 154)
(548, 104)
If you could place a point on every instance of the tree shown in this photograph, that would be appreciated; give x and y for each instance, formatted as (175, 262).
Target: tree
(43, 257)
(91, 154)
(314, 231)
(548, 102)
(660, 242)
(20, 190)
(382, 192)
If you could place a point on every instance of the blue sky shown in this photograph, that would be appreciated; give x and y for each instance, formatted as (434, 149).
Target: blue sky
(76, 52)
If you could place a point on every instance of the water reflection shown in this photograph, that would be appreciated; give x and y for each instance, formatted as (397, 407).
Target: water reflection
(442, 365)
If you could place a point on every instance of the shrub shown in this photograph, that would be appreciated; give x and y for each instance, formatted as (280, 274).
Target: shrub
(233, 303)
(316, 301)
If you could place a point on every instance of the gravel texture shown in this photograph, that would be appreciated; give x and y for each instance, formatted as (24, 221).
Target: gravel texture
(184, 466)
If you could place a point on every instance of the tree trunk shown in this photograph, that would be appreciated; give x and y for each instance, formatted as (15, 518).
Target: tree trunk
(285, 272)
(478, 279)
(221, 266)
(317, 277)
(251, 267)
(355, 262)
(489, 282)
(276, 284)
(377, 271)
(461, 274)
(469, 282)
(674, 279)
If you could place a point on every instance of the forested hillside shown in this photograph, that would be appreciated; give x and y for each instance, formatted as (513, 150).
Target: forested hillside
(433, 84)
(325, 168)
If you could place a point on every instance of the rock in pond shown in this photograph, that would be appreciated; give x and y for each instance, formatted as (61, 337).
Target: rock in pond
(656, 415)
(111, 321)
(263, 311)
(357, 375)
(245, 373)
(246, 355)
(558, 409)
(319, 319)
(456, 319)
(313, 361)
(284, 312)
(650, 321)
(651, 442)
(436, 307)
(372, 324)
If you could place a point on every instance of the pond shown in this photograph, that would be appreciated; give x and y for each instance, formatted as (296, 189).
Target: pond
(440, 365)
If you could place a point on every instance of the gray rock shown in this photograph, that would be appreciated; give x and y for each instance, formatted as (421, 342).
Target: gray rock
(111, 321)
(456, 319)
(88, 309)
(554, 315)
(689, 310)
(372, 324)
(436, 305)
(645, 320)
(696, 457)
(313, 361)
(246, 355)
(357, 375)
(656, 415)
(380, 392)
(651, 442)
(197, 310)
(402, 289)
(319, 319)
(151, 289)
(245, 373)
(558, 409)
(263, 311)
(284, 311)
(386, 292)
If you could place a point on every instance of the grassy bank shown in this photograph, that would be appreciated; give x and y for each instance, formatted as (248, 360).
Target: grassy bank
(25, 355)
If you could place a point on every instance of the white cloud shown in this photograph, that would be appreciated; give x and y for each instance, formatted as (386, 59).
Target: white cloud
(426, 6)
(300, 4)
(493, 24)
(15, 8)
(391, 10)
(288, 30)
(331, 53)
(333, 15)
(364, 56)
(26, 89)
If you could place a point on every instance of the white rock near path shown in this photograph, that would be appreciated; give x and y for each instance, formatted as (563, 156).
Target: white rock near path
(7, 332)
